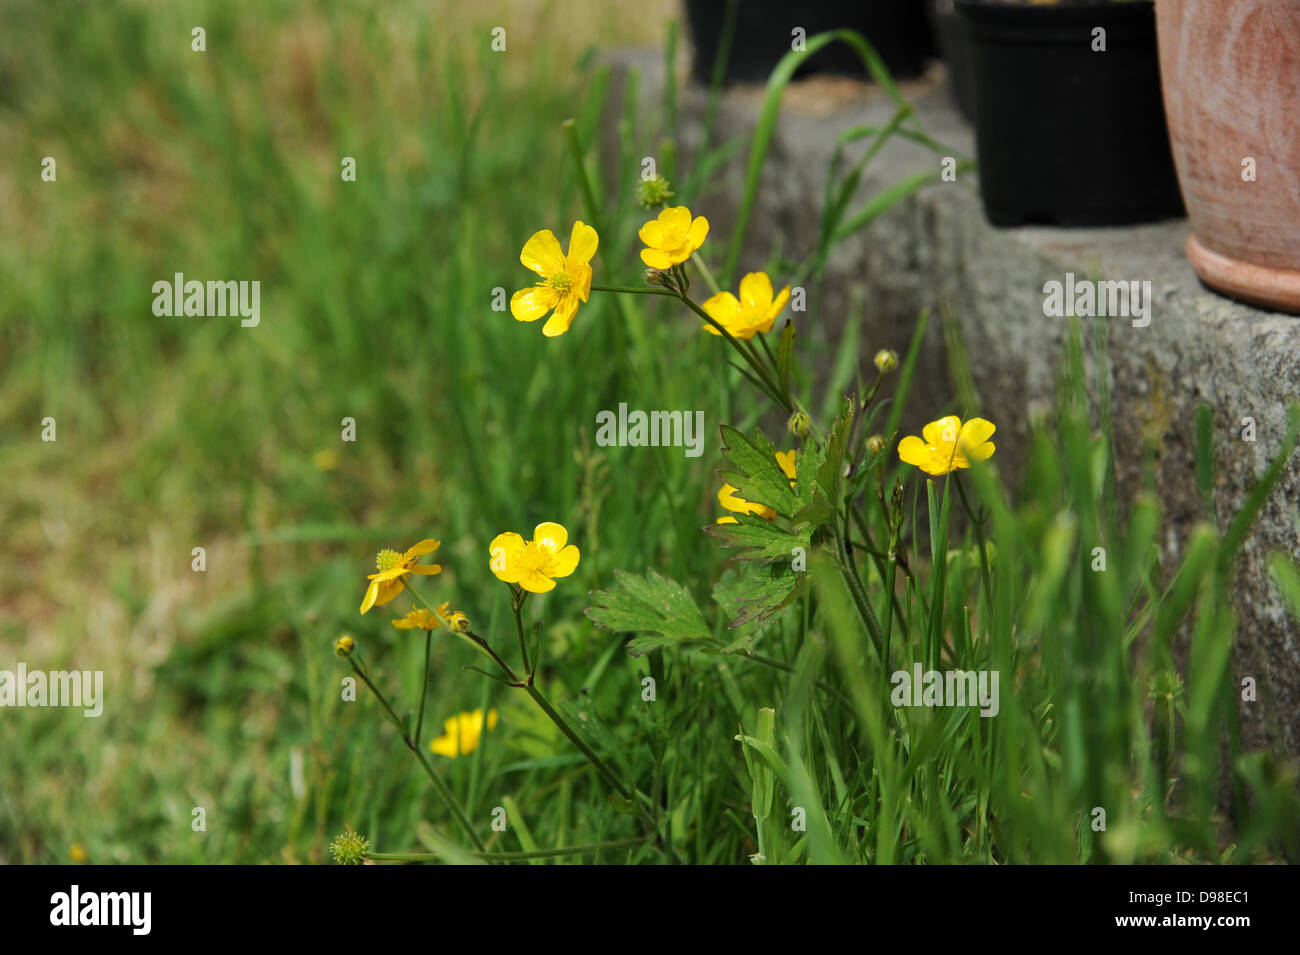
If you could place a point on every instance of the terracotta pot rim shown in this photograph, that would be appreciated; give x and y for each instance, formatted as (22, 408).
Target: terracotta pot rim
(1260, 285)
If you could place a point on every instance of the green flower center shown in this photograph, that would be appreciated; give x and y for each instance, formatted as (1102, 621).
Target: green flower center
(387, 559)
(560, 281)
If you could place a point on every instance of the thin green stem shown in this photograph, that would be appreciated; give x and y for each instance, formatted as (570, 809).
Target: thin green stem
(765, 374)
(443, 790)
(844, 558)
(629, 795)
(577, 741)
(751, 357)
(517, 604)
(424, 686)
(629, 290)
(496, 658)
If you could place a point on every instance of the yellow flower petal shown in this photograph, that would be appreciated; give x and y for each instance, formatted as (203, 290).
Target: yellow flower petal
(582, 243)
(582, 281)
(652, 233)
(562, 318)
(756, 291)
(912, 450)
(786, 460)
(699, 230)
(426, 546)
(504, 553)
(778, 306)
(563, 563)
(943, 431)
(372, 594)
(536, 582)
(656, 259)
(976, 431)
(388, 591)
(677, 219)
(530, 304)
(550, 536)
(732, 501)
(724, 309)
(542, 254)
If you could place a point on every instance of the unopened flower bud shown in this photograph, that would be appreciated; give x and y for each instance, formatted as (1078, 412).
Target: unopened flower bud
(886, 361)
(344, 646)
(457, 622)
(800, 424)
(876, 443)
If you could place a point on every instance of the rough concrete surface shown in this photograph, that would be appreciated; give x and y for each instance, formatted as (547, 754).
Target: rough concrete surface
(937, 246)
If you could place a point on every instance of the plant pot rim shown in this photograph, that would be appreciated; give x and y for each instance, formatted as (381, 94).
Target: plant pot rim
(1260, 285)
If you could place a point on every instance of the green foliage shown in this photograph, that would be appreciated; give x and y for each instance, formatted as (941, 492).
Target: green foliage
(653, 605)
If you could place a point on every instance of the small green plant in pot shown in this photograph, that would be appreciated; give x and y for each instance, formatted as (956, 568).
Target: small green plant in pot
(1069, 117)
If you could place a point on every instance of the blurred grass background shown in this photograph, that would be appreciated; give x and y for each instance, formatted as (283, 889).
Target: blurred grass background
(221, 691)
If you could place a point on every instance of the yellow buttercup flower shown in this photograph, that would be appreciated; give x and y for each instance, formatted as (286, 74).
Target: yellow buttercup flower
(754, 311)
(462, 733)
(566, 279)
(948, 445)
(419, 618)
(732, 501)
(534, 564)
(392, 566)
(672, 237)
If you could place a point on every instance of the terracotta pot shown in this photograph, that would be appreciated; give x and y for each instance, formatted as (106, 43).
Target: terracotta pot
(1230, 70)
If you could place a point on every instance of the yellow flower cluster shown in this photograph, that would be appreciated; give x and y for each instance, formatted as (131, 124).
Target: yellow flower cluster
(670, 239)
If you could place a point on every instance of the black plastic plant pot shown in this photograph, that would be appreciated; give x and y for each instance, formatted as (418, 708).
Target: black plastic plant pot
(764, 32)
(1068, 135)
(954, 49)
